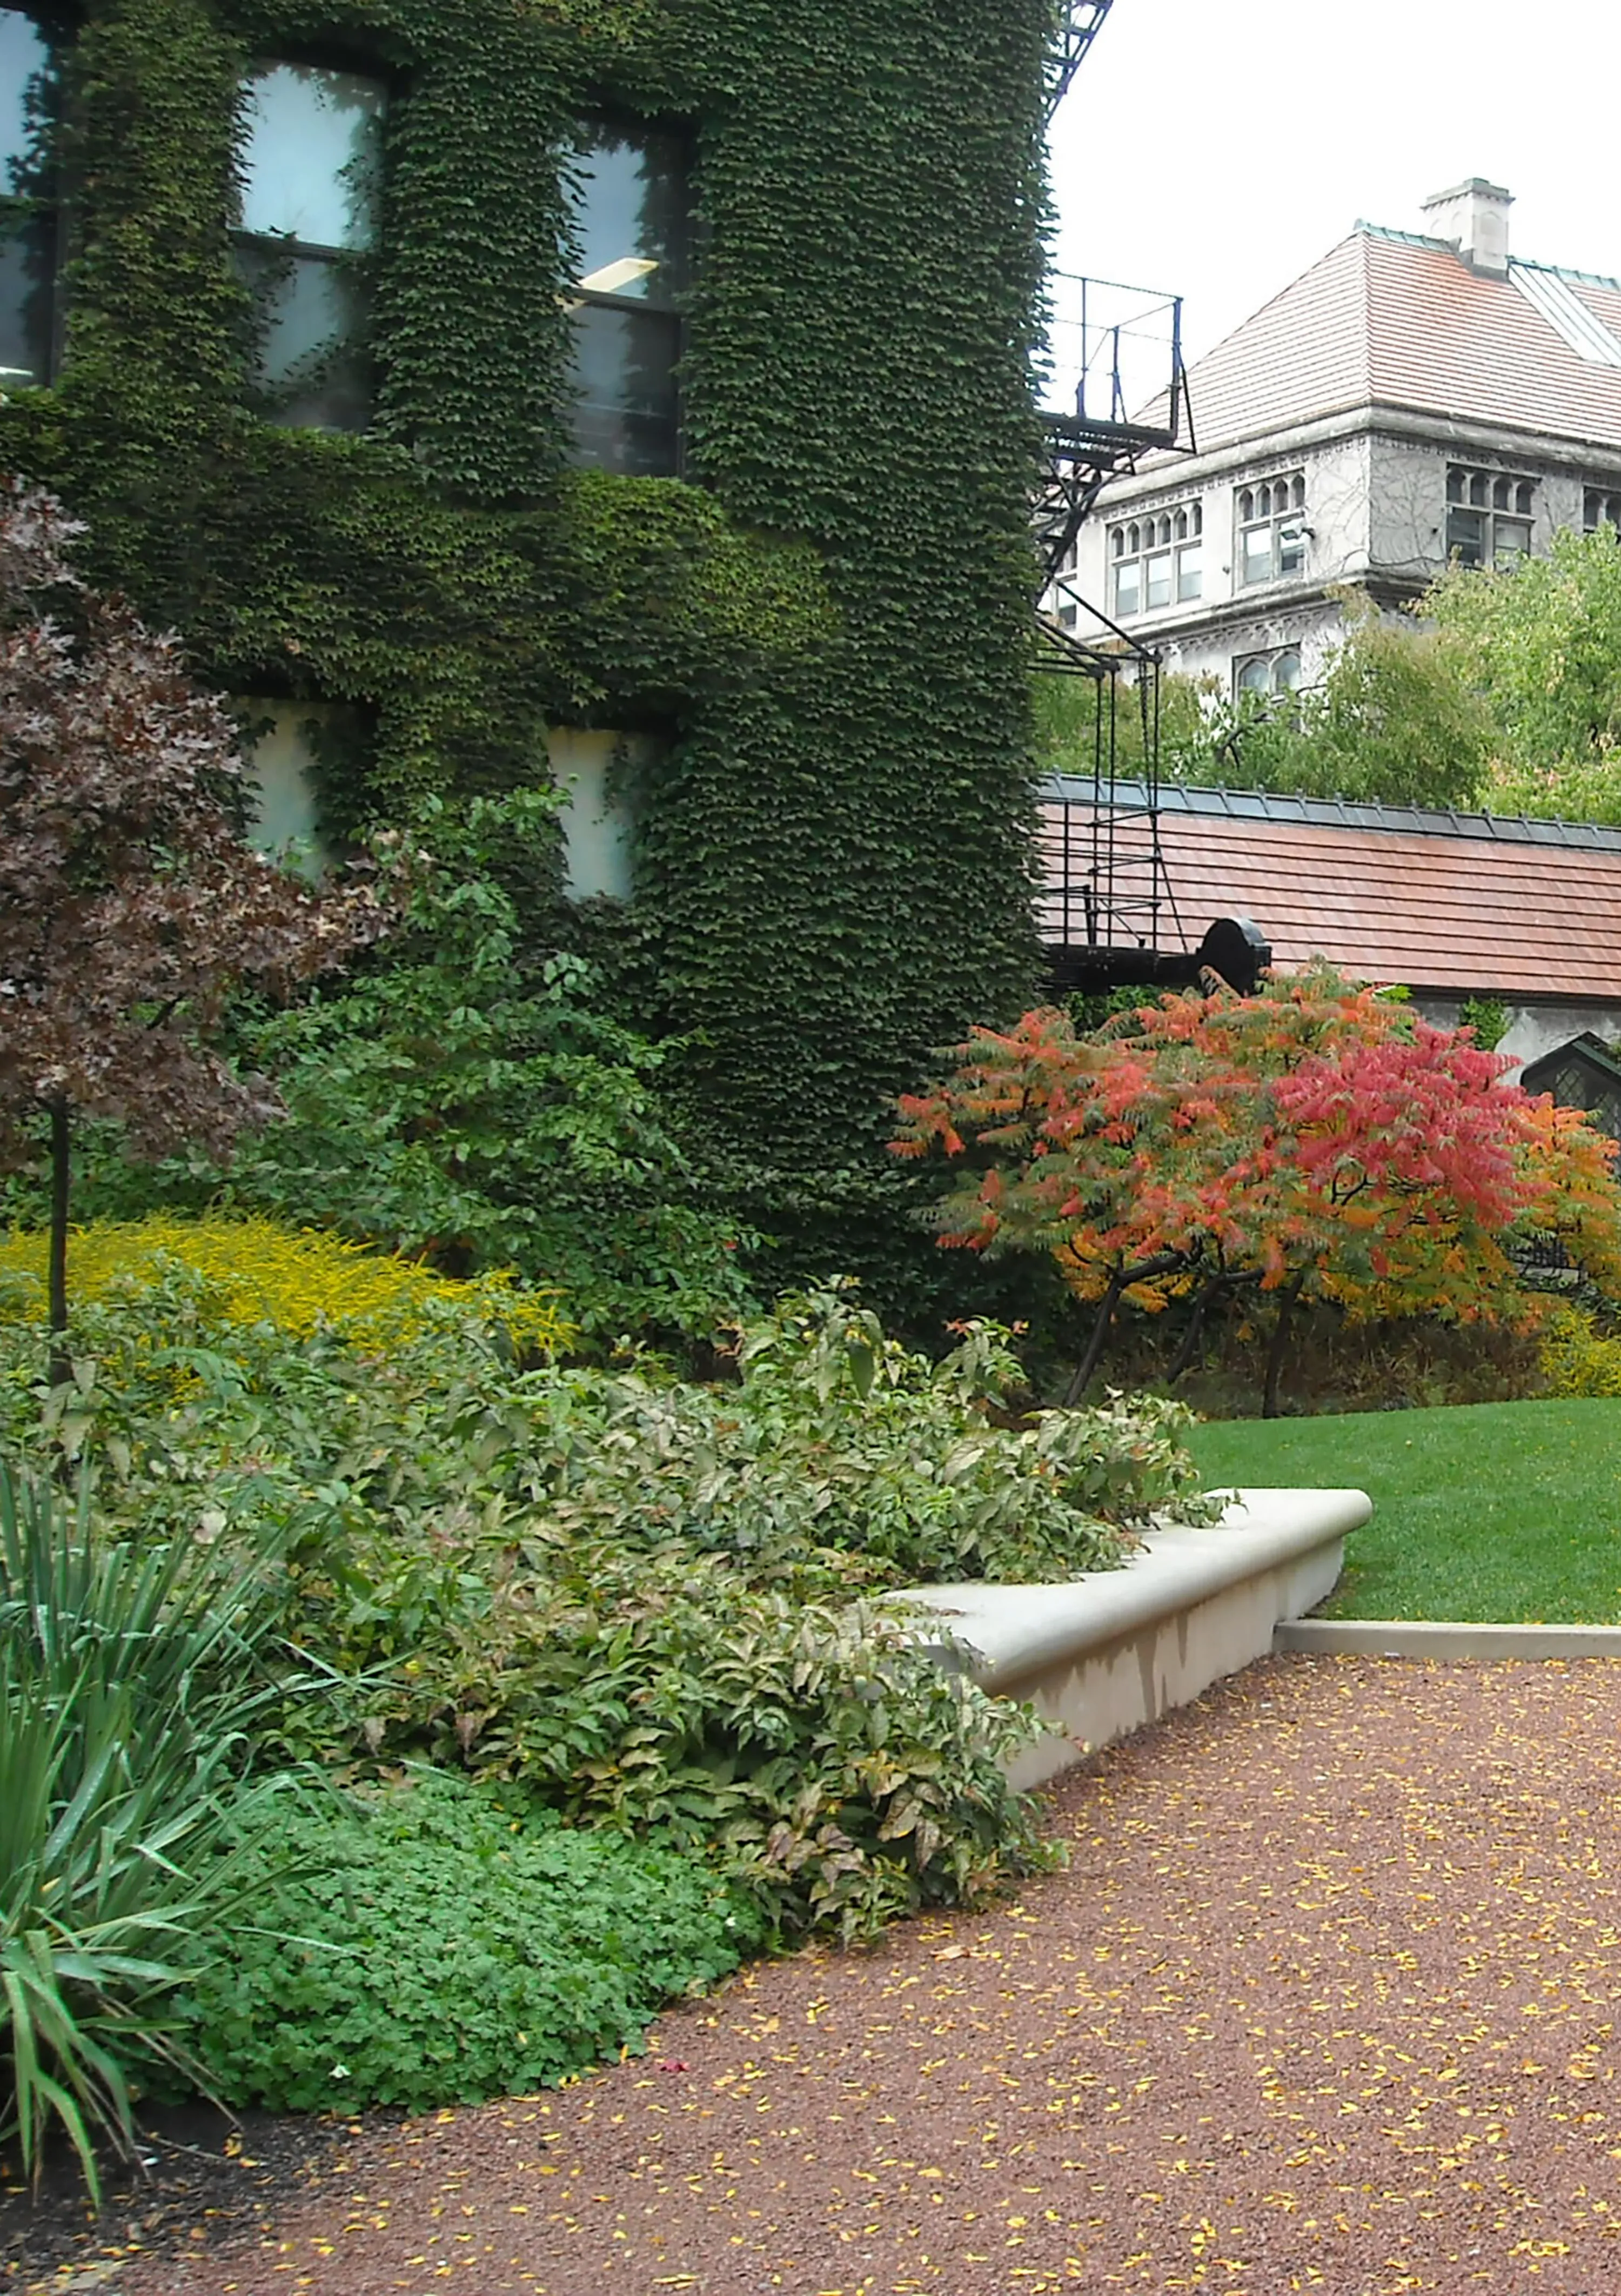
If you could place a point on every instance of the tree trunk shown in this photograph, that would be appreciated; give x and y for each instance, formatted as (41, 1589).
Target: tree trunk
(62, 1170)
(1082, 1375)
(1275, 1353)
(1121, 1281)
(1190, 1338)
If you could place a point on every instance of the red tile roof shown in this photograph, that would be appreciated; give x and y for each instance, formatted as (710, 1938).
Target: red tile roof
(1388, 319)
(1521, 909)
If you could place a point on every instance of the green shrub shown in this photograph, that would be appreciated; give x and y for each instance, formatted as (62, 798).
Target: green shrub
(812, 1747)
(127, 1683)
(635, 1594)
(254, 1271)
(435, 1943)
(1577, 1359)
(460, 1096)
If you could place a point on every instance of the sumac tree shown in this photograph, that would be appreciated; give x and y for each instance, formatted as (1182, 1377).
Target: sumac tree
(1314, 1141)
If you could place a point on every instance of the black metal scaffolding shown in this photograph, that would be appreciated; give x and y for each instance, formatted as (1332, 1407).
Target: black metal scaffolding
(1112, 391)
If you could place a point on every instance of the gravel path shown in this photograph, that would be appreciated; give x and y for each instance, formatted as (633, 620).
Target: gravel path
(1326, 1999)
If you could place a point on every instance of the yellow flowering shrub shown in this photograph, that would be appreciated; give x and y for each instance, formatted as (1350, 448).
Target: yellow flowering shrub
(1576, 1359)
(297, 1280)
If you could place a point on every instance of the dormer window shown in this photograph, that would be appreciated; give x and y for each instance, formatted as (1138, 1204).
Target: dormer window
(1488, 516)
(632, 229)
(1271, 528)
(310, 184)
(29, 92)
(1157, 560)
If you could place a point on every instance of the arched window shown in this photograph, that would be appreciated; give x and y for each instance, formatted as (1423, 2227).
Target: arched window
(1270, 676)
(1271, 528)
(1157, 561)
(1489, 515)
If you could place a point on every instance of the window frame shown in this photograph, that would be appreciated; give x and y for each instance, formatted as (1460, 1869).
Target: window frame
(665, 310)
(1272, 658)
(1601, 505)
(1266, 507)
(1174, 534)
(47, 209)
(1484, 485)
(283, 253)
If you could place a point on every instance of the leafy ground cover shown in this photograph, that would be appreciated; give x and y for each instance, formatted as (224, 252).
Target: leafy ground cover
(571, 1683)
(1491, 1512)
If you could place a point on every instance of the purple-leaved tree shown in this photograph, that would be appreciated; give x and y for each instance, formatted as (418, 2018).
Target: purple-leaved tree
(129, 906)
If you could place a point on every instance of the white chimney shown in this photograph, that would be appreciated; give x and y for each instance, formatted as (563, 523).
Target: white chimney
(1475, 217)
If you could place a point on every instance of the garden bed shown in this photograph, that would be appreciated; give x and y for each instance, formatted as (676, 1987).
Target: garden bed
(1101, 1655)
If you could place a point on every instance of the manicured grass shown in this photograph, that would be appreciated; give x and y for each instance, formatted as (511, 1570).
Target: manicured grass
(1491, 1510)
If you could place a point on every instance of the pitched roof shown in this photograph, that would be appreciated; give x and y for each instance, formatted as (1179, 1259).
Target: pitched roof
(1462, 904)
(1390, 319)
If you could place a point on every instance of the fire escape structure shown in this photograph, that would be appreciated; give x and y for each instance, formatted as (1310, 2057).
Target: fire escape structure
(1112, 391)
(1079, 25)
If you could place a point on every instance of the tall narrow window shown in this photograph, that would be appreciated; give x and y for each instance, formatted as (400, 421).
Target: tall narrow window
(1271, 528)
(635, 241)
(1157, 560)
(308, 220)
(28, 95)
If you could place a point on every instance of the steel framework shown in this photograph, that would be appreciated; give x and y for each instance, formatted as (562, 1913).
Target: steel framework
(1079, 24)
(1112, 389)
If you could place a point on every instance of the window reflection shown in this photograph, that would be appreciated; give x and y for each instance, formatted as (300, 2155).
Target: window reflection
(632, 227)
(27, 216)
(310, 179)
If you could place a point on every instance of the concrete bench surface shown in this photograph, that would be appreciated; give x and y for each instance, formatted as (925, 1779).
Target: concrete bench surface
(1102, 1654)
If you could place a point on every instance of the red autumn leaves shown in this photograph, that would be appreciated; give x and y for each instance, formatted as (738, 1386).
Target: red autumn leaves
(1316, 1135)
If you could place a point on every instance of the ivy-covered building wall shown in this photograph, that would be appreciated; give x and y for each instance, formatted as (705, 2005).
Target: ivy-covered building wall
(822, 617)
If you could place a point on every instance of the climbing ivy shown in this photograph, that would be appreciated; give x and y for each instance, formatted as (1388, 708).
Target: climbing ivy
(825, 616)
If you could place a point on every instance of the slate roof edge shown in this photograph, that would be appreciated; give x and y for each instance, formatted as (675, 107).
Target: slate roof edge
(1337, 812)
(1516, 262)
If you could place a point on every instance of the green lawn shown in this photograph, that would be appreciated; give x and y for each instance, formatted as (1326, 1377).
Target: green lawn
(1494, 1511)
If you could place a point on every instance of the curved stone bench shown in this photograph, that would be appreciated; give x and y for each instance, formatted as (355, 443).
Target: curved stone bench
(1101, 1655)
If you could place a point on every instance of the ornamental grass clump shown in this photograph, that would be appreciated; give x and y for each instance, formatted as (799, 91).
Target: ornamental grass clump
(130, 1683)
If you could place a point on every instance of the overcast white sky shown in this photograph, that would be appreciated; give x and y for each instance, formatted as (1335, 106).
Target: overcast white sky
(1218, 147)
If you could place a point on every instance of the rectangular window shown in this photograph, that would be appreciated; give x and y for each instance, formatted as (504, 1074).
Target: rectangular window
(1156, 559)
(1467, 537)
(310, 184)
(1269, 516)
(1257, 553)
(29, 103)
(634, 253)
(1489, 516)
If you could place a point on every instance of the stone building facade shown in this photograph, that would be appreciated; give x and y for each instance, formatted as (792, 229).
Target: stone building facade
(1410, 398)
